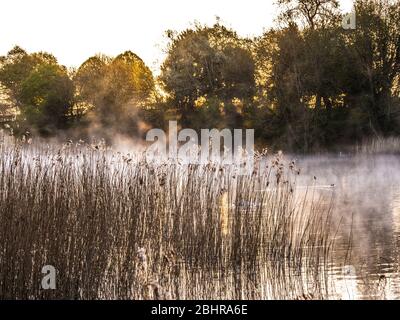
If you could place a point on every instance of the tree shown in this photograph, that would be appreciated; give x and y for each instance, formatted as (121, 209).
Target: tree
(47, 97)
(90, 80)
(208, 68)
(298, 72)
(115, 88)
(324, 85)
(6, 110)
(39, 87)
(374, 63)
(309, 13)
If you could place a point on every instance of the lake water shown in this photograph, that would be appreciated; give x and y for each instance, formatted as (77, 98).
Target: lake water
(366, 205)
(364, 264)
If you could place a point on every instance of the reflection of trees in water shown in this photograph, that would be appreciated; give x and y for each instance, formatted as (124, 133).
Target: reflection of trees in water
(395, 208)
(368, 206)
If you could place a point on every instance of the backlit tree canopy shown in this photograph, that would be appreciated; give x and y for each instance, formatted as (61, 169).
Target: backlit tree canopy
(305, 84)
(209, 63)
(39, 86)
(114, 86)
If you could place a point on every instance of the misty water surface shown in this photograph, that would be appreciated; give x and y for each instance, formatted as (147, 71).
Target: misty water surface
(366, 202)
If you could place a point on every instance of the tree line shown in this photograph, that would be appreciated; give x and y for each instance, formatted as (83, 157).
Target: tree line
(305, 84)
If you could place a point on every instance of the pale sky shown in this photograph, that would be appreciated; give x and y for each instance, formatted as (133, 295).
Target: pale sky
(74, 30)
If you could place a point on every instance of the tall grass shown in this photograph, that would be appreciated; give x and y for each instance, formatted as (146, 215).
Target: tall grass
(118, 227)
(379, 145)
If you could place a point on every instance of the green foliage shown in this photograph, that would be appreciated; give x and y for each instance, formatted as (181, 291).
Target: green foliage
(47, 97)
(325, 85)
(39, 87)
(115, 88)
(207, 63)
(16, 67)
(306, 84)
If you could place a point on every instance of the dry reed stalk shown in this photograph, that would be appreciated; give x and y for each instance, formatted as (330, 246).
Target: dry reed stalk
(118, 227)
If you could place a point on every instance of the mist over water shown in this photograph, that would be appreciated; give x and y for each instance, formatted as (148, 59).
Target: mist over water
(365, 192)
(292, 255)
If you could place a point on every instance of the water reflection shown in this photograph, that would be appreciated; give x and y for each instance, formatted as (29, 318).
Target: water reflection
(366, 196)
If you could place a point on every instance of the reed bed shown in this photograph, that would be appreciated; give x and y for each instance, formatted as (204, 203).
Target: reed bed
(379, 145)
(116, 226)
